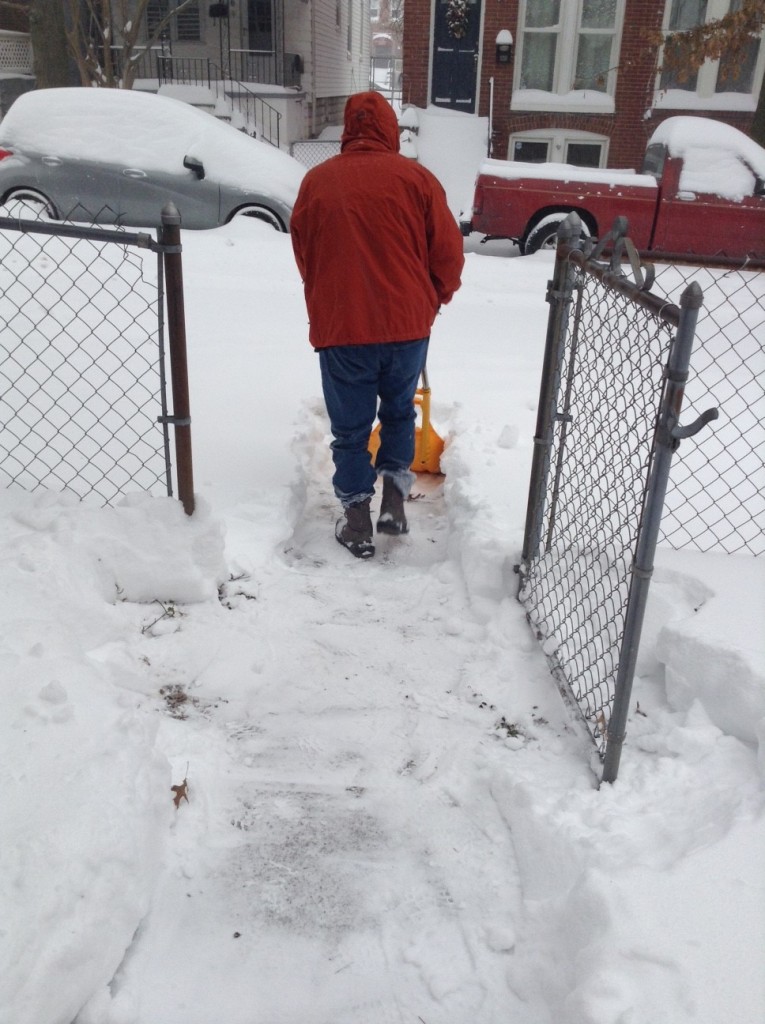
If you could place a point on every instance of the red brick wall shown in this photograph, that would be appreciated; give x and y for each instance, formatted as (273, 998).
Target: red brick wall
(415, 51)
(627, 129)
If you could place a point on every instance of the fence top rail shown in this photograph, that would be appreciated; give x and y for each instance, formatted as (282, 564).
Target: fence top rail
(141, 240)
(618, 282)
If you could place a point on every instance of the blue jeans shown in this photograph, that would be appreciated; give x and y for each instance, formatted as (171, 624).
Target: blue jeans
(353, 377)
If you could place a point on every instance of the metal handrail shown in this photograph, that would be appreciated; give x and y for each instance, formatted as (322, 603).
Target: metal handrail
(265, 118)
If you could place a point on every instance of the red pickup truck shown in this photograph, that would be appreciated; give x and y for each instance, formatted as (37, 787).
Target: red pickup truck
(701, 192)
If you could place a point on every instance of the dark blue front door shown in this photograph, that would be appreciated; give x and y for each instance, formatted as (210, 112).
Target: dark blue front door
(455, 54)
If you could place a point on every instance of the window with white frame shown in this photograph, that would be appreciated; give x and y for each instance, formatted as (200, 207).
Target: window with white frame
(583, 149)
(568, 51)
(731, 83)
(185, 27)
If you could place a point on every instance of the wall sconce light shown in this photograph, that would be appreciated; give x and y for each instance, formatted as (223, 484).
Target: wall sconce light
(504, 46)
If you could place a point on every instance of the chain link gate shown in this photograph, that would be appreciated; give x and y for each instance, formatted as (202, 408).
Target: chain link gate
(83, 397)
(616, 363)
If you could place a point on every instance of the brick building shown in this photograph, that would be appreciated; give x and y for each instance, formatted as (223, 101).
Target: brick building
(579, 81)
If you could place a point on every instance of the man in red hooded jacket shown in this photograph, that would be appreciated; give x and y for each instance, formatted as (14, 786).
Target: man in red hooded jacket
(379, 252)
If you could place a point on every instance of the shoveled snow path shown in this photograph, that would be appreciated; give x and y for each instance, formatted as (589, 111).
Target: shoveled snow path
(370, 858)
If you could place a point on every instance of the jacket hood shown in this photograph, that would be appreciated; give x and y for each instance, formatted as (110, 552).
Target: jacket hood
(370, 123)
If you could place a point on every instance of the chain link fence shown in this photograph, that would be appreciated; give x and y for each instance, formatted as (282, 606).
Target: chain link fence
(716, 495)
(83, 401)
(312, 152)
(615, 376)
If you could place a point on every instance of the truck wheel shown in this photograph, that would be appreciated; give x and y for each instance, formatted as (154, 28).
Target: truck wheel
(544, 235)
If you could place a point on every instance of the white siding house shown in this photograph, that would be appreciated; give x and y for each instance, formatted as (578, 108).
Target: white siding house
(302, 57)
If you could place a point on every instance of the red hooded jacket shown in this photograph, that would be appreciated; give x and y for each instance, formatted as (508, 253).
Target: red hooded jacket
(375, 242)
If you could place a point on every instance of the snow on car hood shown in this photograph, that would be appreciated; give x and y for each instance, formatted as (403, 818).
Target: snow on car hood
(717, 158)
(143, 130)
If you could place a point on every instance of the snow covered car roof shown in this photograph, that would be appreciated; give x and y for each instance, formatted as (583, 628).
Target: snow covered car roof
(154, 133)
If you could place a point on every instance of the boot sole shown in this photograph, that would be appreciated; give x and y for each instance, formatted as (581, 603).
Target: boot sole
(367, 551)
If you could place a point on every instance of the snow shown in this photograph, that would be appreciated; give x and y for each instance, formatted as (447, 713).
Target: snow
(717, 158)
(580, 100)
(685, 99)
(514, 170)
(391, 814)
(151, 132)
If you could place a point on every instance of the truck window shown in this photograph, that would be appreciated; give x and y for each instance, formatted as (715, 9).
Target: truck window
(653, 161)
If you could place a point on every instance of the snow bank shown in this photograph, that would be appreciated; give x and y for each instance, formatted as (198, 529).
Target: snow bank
(85, 801)
(710, 654)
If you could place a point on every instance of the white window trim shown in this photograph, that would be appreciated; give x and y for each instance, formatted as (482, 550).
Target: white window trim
(558, 138)
(704, 96)
(580, 100)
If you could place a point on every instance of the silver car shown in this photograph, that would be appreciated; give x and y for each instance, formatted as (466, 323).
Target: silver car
(116, 156)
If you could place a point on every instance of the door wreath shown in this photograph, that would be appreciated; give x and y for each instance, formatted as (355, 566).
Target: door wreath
(457, 18)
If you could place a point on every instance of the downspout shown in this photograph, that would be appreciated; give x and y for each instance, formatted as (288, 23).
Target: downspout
(490, 145)
(313, 69)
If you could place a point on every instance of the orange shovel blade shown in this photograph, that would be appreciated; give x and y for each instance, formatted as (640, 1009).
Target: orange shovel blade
(428, 448)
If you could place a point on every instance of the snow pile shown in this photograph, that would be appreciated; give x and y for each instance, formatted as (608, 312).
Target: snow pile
(84, 801)
(717, 158)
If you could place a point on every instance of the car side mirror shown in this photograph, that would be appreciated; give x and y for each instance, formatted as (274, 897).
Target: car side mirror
(192, 164)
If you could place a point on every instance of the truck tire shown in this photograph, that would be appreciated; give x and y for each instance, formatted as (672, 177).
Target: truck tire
(544, 235)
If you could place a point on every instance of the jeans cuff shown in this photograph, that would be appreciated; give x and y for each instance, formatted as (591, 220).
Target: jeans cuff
(402, 479)
(354, 499)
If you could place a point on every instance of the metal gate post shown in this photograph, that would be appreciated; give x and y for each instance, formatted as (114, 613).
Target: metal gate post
(179, 374)
(666, 440)
(559, 294)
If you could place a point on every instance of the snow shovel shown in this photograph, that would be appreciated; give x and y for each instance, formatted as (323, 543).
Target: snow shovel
(428, 446)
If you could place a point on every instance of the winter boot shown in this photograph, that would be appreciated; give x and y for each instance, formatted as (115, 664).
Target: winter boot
(392, 518)
(354, 530)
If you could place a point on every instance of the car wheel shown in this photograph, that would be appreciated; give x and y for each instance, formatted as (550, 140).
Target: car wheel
(261, 213)
(37, 204)
(544, 235)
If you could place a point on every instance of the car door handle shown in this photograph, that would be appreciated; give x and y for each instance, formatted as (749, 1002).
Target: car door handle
(134, 172)
(52, 161)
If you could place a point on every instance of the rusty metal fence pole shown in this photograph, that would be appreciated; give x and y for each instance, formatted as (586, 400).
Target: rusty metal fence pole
(179, 378)
(668, 435)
